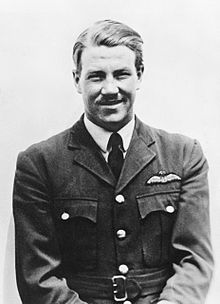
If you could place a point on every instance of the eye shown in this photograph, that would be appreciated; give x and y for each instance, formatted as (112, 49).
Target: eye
(122, 75)
(95, 77)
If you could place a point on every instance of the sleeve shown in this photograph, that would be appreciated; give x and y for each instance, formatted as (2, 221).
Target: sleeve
(193, 260)
(38, 260)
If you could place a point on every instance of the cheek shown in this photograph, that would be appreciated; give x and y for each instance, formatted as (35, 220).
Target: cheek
(130, 86)
(92, 92)
(92, 87)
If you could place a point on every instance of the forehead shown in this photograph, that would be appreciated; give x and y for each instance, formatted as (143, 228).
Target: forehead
(94, 57)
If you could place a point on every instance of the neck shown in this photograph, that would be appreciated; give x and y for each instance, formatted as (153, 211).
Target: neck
(111, 126)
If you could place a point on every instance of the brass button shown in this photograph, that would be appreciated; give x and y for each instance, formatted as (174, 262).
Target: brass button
(170, 209)
(119, 198)
(121, 234)
(65, 216)
(123, 269)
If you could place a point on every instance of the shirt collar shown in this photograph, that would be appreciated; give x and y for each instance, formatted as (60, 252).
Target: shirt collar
(101, 136)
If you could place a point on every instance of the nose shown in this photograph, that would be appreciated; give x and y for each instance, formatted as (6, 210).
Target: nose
(109, 86)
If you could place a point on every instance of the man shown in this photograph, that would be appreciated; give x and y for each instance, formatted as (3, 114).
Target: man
(112, 210)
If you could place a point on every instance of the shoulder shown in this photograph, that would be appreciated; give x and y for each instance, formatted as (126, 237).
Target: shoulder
(163, 136)
(49, 153)
(52, 151)
(47, 146)
(178, 152)
(175, 144)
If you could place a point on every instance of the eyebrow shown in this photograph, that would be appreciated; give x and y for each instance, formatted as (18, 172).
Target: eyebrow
(101, 72)
(122, 71)
(96, 72)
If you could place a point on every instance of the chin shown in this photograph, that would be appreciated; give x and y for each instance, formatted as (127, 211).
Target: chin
(114, 124)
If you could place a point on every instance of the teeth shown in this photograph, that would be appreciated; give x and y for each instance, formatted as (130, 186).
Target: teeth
(112, 101)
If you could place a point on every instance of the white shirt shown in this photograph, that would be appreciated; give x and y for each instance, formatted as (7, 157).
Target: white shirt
(101, 136)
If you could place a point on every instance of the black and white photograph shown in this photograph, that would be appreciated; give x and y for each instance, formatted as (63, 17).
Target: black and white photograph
(109, 163)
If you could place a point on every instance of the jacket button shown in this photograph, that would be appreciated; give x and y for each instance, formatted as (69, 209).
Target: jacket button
(65, 216)
(127, 302)
(121, 234)
(170, 209)
(119, 198)
(123, 269)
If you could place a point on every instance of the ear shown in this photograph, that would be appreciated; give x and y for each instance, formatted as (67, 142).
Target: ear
(140, 72)
(76, 78)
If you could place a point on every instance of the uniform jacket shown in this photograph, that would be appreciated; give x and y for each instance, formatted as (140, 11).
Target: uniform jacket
(68, 215)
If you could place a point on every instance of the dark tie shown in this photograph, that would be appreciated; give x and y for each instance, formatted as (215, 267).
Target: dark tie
(115, 157)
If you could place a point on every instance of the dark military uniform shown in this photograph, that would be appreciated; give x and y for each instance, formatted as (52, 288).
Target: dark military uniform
(83, 236)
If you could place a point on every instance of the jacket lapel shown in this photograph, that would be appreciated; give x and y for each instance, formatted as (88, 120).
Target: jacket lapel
(138, 156)
(87, 154)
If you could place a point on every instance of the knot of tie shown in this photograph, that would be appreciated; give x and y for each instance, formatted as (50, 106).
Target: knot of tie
(115, 157)
(115, 141)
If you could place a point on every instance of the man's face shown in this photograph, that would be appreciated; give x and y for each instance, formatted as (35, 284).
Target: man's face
(108, 84)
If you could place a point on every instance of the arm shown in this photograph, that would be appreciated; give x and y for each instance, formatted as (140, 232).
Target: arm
(38, 261)
(193, 259)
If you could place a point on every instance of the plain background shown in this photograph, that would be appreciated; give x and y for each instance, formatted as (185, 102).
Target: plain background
(180, 90)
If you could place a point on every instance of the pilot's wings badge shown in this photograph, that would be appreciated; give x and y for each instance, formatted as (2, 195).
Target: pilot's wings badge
(163, 177)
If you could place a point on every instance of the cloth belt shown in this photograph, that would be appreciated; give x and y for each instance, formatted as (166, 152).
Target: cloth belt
(119, 287)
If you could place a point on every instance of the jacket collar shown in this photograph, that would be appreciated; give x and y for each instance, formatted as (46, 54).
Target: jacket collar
(87, 154)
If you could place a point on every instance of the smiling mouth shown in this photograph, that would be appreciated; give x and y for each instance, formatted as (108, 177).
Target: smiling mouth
(111, 102)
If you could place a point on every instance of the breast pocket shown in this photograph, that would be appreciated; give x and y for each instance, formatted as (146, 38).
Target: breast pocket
(76, 221)
(157, 216)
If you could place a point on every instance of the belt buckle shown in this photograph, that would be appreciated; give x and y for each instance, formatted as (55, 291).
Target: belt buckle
(119, 287)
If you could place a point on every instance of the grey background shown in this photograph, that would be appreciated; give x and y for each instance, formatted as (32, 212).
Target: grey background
(180, 90)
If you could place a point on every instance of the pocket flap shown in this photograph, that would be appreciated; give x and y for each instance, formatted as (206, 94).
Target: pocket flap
(70, 208)
(165, 202)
